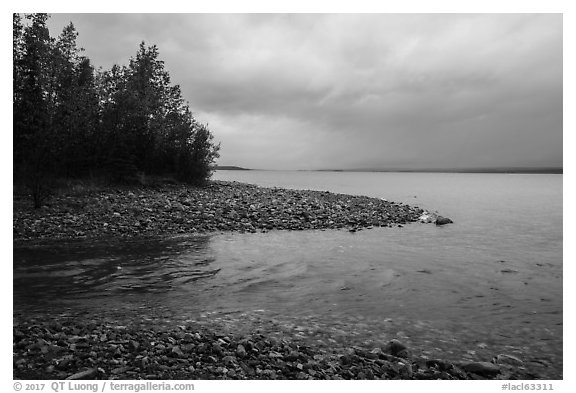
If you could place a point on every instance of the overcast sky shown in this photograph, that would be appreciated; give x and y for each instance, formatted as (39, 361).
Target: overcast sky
(356, 91)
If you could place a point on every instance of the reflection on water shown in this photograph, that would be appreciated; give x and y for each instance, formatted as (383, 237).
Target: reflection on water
(80, 272)
(374, 273)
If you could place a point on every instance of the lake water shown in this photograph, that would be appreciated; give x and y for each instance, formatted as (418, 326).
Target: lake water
(490, 283)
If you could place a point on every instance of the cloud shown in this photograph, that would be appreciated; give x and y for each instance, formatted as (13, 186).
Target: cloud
(292, 91)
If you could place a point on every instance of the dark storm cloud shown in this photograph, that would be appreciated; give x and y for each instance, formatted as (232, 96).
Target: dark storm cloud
(310, 91)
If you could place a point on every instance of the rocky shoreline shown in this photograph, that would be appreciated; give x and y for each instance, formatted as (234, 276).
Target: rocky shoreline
(86, 348)
(178, 209)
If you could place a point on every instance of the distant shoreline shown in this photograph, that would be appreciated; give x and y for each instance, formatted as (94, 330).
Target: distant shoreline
(535, 171)
(524, 171)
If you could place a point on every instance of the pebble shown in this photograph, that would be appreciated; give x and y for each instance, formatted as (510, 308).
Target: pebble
(241, 351)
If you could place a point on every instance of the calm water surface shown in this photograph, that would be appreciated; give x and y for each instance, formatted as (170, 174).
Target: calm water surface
(492, 280)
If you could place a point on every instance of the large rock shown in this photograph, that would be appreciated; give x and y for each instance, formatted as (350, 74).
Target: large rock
(427, 217)
(396, 348)
(485, 369)
(443, 220)
(87, 374)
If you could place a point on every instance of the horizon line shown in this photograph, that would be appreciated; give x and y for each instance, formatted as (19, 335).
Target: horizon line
(527, 170)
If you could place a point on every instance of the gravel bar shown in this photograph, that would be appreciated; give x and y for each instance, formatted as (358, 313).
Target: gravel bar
(180, 209)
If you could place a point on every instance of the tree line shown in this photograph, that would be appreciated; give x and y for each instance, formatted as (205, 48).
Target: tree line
(71, 120)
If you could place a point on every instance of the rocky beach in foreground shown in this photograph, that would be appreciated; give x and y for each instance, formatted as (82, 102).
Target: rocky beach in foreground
(90, 346)
(86, 347)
